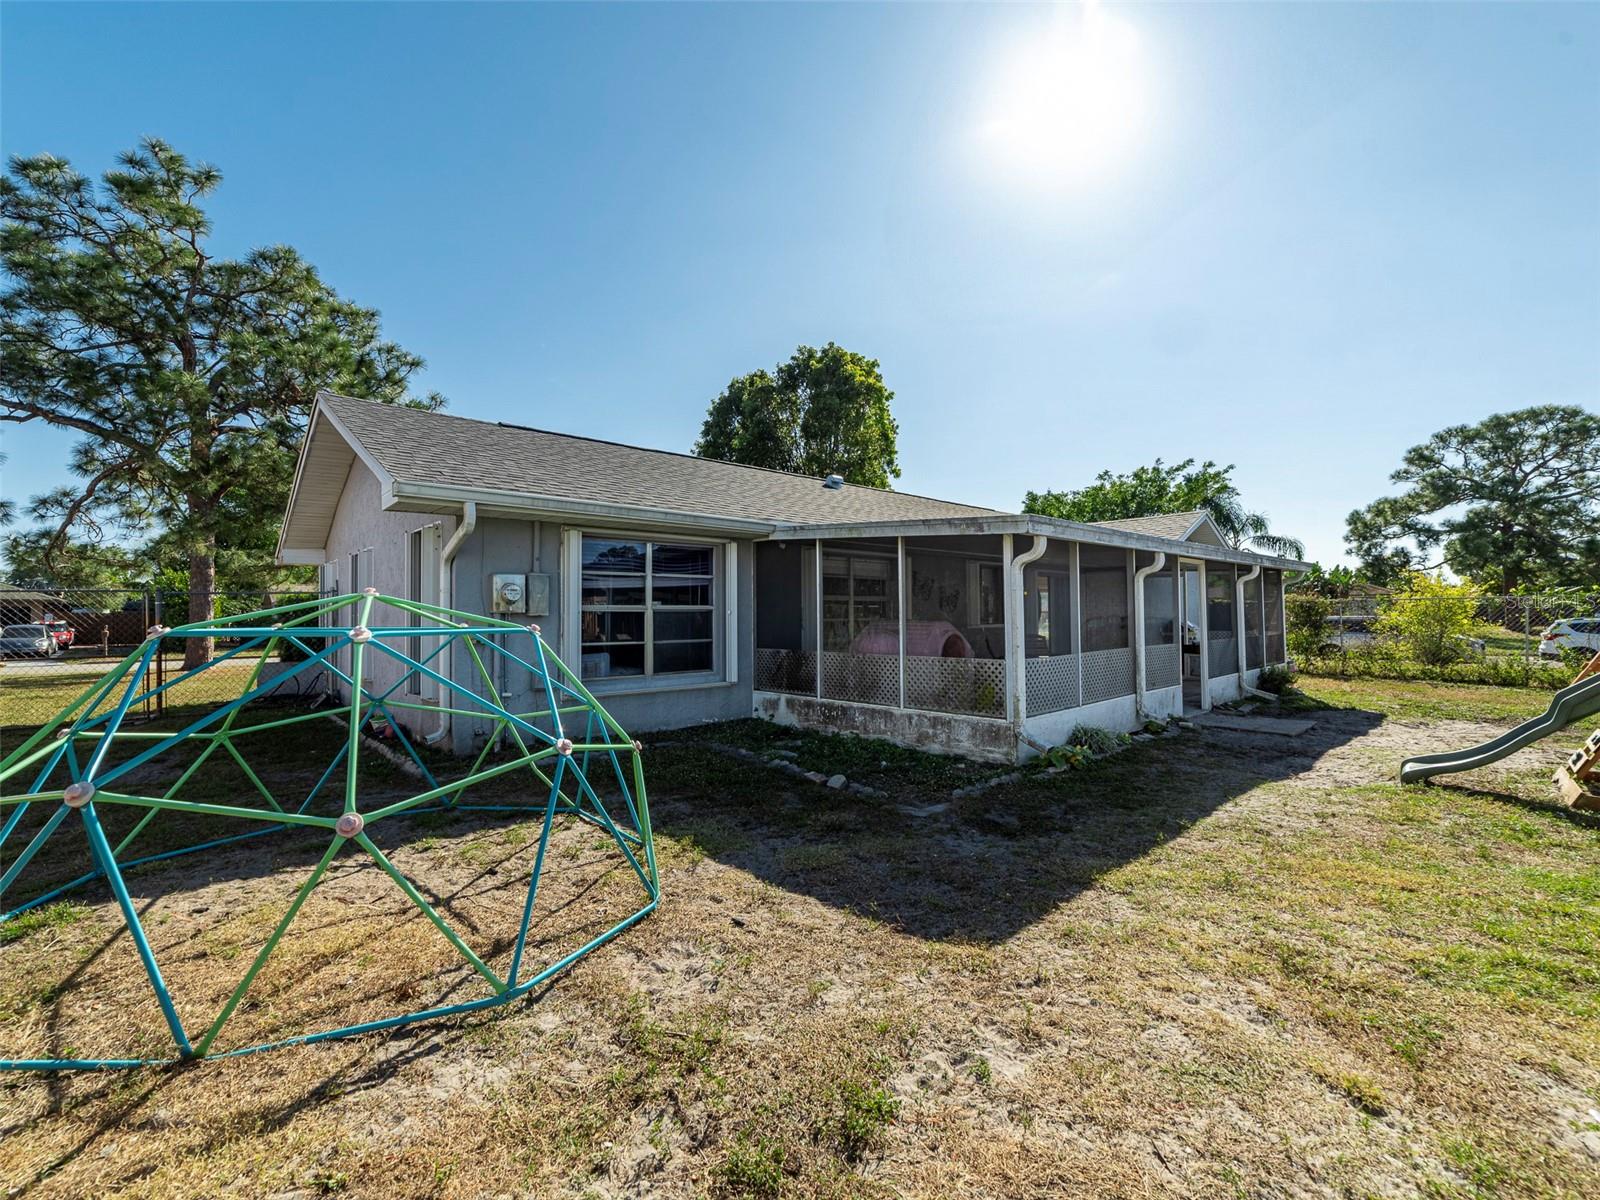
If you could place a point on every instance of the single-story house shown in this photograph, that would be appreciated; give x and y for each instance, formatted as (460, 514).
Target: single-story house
(690, 590)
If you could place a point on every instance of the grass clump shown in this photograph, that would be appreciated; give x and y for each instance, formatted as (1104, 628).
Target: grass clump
(51, 916)
(862, 1113)
(752, 1168)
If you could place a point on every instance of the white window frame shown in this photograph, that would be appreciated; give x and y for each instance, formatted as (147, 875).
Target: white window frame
(422, 585)
(724, 590)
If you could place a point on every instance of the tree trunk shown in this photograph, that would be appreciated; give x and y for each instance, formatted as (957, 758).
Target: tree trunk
(202, 602)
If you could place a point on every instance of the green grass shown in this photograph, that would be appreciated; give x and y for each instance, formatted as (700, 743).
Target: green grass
(1427, 700)
(32, 694)
(51, 916)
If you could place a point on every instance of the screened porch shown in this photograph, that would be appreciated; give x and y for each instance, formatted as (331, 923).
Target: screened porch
(1038, 632)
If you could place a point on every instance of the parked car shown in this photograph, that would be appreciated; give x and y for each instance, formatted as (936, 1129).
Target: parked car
(1579, 633)
(62, 632)
(28, 641)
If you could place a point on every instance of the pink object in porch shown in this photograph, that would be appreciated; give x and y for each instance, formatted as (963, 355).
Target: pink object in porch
(924, 639)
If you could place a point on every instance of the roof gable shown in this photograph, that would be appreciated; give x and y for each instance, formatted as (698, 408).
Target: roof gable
(1193, 525)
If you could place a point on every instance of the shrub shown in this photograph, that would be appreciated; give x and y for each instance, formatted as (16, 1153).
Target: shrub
(1307, 628)
(1076, 757)
(1098, 742)
(1431, 619)
(1276, 680)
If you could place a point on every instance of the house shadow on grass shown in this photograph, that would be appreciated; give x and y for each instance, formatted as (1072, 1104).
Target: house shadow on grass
(981, 868)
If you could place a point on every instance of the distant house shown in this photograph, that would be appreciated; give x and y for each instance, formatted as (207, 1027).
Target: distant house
(690, 590)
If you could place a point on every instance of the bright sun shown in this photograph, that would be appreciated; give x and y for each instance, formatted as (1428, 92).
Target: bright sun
(1067, 106)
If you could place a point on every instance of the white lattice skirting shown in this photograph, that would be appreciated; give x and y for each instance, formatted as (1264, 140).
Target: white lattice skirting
(1107, 674)
(1052, 683)
(1223, 657)
(864, 678)
(957, 685)
(1161, 665)
(791, 671)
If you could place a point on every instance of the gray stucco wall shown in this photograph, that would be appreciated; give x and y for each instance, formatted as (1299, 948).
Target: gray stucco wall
(505, 545)
(359, 523)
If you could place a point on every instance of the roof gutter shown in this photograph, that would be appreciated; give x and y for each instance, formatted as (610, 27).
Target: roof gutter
(1036, 526)
(1239, 627)
(1139, 577)
(525, 504)
(1016, 655)
(447, 597)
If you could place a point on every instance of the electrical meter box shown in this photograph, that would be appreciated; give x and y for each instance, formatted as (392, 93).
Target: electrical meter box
(528, 595)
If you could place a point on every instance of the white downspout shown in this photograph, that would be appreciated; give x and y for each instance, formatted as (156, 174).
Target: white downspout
(1139, 576)
(1016, 619)
(1241, 653)
(447, 557)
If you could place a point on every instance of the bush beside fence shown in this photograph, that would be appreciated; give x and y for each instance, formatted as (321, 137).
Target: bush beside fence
(1444, 634)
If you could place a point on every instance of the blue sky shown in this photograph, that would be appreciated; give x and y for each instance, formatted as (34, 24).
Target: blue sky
(1299, 238)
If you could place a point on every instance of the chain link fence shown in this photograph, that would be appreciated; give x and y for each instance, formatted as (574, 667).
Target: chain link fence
(1524, 640)
(55, 643)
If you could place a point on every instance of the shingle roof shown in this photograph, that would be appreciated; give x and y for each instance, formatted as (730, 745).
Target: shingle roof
(1167, 525)
(417, 446)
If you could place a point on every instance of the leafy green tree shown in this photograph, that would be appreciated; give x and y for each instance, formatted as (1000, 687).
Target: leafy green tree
(1159, 488)
(188, 375)
(1511, 501)
(1430, 618)
(824, 412)
(8, 506)
(1306, 624)
(36, 559)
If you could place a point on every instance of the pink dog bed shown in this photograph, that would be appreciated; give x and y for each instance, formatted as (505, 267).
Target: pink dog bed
(924, 639)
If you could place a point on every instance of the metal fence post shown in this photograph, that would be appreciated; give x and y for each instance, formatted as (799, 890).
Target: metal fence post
(1527, 639)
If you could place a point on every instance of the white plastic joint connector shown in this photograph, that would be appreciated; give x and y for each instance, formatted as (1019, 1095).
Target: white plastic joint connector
(534, 629)
(78, 794)
(277, 624)
(361, 634)
(564, 746)
(155, 631)
(638, 746)
(349, 825)
(369, 591)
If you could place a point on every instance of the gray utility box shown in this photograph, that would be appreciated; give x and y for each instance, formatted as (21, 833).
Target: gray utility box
(528, 595)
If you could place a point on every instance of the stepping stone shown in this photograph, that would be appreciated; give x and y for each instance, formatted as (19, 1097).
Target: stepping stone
(1282, 726)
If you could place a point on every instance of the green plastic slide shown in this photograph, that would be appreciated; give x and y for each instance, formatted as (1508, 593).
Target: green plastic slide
(1570, 704)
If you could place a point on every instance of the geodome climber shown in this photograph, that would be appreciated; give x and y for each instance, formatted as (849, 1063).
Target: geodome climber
(568, 748)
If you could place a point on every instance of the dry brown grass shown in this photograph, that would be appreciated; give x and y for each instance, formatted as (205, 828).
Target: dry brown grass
(1221, 965)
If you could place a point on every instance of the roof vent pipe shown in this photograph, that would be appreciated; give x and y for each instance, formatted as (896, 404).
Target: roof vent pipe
(833, 482)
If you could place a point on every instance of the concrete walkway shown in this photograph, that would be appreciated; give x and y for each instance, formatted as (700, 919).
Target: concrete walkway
(1283, 726)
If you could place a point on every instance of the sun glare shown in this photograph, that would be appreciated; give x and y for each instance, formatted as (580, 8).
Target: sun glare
(1068, 105)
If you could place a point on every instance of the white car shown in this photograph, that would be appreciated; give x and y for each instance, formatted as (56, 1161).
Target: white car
(1578, 633)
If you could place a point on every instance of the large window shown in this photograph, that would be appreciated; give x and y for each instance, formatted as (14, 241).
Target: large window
(648, 608)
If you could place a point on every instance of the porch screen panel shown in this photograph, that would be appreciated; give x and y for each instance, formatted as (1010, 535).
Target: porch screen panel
(1049, 632)
(1273, 616)
(1103, 584)
(1221, 621)
(786, 640)
(1161, 655)
(1252, 624)
(861, 621)
(955, 625)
